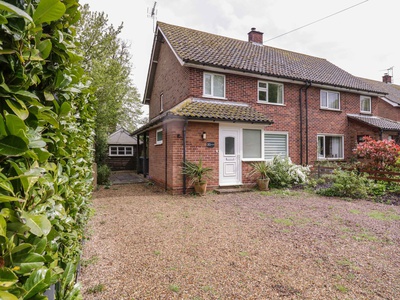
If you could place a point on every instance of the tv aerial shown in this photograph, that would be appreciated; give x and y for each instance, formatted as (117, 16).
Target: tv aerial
(152, 13)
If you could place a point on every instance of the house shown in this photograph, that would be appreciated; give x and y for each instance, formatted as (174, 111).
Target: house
(233, 102)
(122, 150)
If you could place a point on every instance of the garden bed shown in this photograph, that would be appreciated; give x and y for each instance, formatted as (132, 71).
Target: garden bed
(282, 244)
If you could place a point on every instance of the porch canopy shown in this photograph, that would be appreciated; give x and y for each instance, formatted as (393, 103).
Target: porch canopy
(377, 122)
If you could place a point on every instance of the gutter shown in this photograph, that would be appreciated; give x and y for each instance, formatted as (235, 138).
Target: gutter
(303, 88)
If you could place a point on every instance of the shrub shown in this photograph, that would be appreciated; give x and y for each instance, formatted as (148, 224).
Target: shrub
(283, 173)
(382, 154)
(345, 184)
(103, 174)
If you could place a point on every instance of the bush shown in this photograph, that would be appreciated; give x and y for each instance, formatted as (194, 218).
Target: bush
(103, 174)
(345, 184)
(283, 173)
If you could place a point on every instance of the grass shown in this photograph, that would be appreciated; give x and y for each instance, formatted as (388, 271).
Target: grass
(383, 216)
(365, 236)
(243, 253)
(285, 222)
(98, 288)
(341, 288)
(90, 261)
(174, 288)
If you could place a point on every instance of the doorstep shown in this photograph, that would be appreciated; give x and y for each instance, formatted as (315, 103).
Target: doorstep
(232, 189)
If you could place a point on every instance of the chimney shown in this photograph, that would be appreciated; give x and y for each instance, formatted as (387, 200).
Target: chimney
(255, 36)
(387, 78)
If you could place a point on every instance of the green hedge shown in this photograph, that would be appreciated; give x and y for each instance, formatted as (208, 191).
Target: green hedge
(46, 155)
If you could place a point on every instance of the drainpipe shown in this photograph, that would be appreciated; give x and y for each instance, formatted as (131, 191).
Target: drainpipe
(380, 134)
(308, 84)
(301, 125)
(184, 154)
(166, 157)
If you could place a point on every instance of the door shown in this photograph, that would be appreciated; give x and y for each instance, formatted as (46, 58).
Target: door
(230, 171)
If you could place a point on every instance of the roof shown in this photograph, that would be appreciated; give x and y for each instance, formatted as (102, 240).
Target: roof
(206, 49)
(210, 110)
(121, 137)
(377, 122)
(392, 90)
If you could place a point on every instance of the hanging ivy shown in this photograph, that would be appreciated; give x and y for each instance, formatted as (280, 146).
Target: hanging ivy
(46, 155)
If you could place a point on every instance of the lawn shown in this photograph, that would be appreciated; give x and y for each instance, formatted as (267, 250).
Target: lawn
(145, 244)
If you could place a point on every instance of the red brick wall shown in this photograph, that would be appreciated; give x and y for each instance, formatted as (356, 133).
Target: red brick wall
(386, 110)
(171, 79)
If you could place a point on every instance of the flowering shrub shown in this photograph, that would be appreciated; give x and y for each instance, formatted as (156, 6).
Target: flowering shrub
(283, 173)
(382, 154)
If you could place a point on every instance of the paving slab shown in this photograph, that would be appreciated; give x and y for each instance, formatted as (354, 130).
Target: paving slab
(126, 177)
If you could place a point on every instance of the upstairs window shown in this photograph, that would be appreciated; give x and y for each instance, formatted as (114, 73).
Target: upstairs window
(269, 92)
(214, 85)
(330, 100)
(161, 102)
(365, 104)
(159, 137)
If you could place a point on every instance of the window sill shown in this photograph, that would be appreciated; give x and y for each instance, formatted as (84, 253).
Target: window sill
(366, 113)
(158, 144)
(269, 103)
(213, 97)
(252, 159)
(330, 109)
(330, 158)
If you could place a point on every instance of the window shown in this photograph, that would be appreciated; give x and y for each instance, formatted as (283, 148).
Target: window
(120, 151)
(330, 100)
(269, 92)
(275, 144)
(365, 104)
(159, 137)
(214, 85)
(229, 145)
(330, 147)
(252, 143)
(161, 102)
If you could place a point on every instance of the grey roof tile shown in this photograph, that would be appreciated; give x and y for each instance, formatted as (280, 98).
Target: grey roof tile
(392, 90)
(378, 122)
(193, 46)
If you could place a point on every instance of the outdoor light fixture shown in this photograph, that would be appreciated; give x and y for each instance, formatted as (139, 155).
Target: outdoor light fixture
(204, 135)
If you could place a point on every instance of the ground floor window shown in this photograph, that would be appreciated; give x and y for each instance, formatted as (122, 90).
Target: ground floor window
(275, 144)
(252, 143)
(330, 147)
(120, 151)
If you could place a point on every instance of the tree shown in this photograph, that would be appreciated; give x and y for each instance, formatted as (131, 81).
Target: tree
(107, 61)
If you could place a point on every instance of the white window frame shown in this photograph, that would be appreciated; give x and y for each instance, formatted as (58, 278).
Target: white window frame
(161, 102)
(266, 91)
(159, 142)
(110, 148)
(212, 85)
(327, 99)
(261, 144)
(278, 133)
(330, 135)
(370, 105)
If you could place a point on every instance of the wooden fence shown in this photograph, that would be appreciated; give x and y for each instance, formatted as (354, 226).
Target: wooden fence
(318, 171)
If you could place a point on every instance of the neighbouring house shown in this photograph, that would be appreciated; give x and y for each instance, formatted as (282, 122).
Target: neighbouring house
(233, 102)
(122, 151)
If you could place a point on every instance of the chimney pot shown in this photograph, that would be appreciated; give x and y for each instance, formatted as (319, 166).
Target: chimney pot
(255, 36)
(387, 78)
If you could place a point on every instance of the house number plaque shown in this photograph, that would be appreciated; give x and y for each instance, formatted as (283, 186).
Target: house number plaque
(210, 144)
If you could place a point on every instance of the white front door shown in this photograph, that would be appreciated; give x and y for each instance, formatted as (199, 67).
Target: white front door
(230, 171)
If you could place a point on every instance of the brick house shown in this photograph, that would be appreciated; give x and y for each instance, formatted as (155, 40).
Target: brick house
(233, 102)
(122, 150)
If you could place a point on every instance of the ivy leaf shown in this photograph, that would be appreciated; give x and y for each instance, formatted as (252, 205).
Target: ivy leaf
(48, 10)
(39, 224)
(12, 146)
(15, 10)
(7, 296)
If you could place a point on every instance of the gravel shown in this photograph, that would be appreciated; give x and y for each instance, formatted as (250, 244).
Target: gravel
(146, 244)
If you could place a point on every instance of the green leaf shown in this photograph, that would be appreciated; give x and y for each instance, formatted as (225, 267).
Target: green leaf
(15, 125)
(48, 96)
(12, 146)
(4, 198)
(18, 107)
(3, 227)
(37, 282)
(68, 275)
(39, 224)
(3, 20)
(7, 296)
(45, 48)
(3, 131)
(21, 247)
(7, 278)
(15, 10)
(48, 10)
(65, 109)
(28, 262)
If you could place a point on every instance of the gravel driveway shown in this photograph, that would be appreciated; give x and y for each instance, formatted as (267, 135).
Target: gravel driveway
(145, 244)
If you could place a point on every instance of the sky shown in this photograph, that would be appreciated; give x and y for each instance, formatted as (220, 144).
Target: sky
(363, 40)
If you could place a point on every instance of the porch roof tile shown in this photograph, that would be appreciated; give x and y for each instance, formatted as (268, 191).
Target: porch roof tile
(377, 122)
(216, 110)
